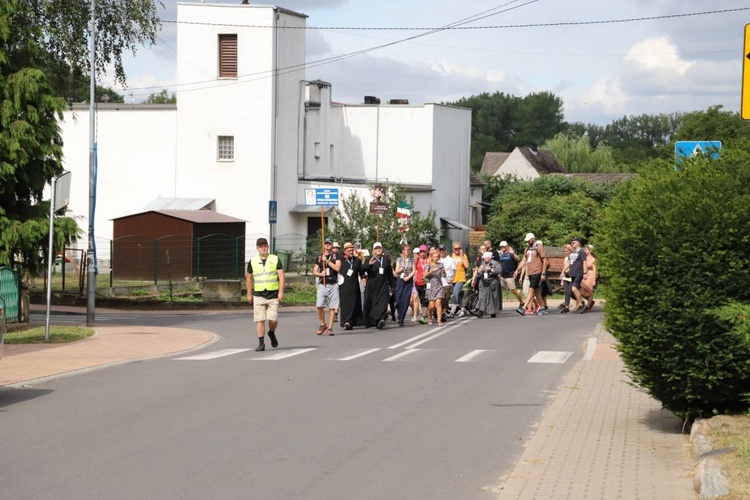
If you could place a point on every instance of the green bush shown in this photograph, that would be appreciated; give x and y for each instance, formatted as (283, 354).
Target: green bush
(675, 248)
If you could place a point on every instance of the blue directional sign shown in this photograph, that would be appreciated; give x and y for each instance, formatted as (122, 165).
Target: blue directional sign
(687, 149)
(272, 210)
(322, 196)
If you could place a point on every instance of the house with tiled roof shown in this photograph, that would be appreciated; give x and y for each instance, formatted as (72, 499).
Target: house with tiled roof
(522, 163)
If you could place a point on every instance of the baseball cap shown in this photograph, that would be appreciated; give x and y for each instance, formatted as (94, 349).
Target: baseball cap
(503, 243)
(422, 247)
(377, 244)
(416, 250)
(328, 240)
(529, 236)
(261, 241)
(441, 247)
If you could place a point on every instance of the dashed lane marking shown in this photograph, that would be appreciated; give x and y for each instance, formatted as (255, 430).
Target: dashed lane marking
(550, 357)
(471, 356)
(359, 355)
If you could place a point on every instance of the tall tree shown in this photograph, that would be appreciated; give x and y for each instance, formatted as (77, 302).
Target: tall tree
(30, 143)
(537, 118)
(576, 154)
(713, 124)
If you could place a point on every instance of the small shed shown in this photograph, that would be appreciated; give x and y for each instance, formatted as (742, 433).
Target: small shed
(178, 244)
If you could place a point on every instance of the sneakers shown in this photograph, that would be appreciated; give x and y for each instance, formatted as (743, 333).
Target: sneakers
(543, 311)
(321, 329)
(272, 336)
(423, 321)
(381, 324)
(565, 310)
(329, 332)
(562, 306)
(520, 310)
(413, 320)
(347, 326)
(581, 309)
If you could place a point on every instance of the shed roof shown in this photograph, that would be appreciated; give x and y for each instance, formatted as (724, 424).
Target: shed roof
(168, 203)
(197, 216)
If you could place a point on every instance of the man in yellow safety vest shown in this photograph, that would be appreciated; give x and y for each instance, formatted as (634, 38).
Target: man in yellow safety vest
(265, 290)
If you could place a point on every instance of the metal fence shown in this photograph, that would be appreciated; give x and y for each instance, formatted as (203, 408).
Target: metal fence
(10, 297)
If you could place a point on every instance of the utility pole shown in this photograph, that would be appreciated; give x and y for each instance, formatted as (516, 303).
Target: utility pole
(91, 270)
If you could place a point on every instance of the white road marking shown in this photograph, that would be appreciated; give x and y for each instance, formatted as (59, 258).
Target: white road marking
(359, 355)
(440, 330)
(284, 355)
(212, 355)
(550, 357)
(468, 357)
(590, 349)
(401, 355)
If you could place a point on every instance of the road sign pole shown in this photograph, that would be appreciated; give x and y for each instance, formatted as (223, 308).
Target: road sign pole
(745, 107)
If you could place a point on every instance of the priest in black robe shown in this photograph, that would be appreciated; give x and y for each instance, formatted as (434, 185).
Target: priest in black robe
(350, 293)
(380, 281)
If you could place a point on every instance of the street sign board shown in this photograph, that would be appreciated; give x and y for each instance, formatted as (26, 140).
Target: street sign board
(272, 210)
(378, 208)
(745, 106)
(322, 196)
(686, 149)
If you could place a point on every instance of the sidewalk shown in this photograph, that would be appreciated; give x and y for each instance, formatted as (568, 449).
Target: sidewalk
(601, 438)
(110, 345)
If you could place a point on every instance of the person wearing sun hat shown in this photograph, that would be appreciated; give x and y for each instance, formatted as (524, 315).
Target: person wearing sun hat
(350, 298)
(533, 264)
(380, 280)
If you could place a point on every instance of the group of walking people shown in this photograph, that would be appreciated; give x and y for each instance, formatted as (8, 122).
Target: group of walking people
(429, 281)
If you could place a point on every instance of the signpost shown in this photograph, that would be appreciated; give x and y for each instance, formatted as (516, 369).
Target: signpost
(745, 107)
(322, 197)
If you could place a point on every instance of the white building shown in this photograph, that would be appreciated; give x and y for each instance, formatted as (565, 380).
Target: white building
(248, 128)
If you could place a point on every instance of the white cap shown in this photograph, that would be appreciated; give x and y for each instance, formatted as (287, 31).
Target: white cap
(376, 245)
(336, 244)
(416, 250)
(529, 236)
(487, 255)
(503, 243)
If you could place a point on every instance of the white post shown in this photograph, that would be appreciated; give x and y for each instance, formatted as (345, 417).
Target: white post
(91, 269)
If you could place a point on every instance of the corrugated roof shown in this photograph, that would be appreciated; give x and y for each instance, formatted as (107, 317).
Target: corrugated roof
(167, 203)
(543, 161)
(199, 216)
(492, 162)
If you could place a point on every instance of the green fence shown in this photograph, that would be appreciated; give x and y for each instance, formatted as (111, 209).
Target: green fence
(10, 298)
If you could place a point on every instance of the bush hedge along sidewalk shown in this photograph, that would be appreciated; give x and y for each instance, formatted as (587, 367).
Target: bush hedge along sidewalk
(675, 247)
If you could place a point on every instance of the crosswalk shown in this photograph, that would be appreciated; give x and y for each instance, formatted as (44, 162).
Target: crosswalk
(473, 356)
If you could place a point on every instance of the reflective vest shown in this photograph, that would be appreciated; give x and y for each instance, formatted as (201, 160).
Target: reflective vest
(268, 277)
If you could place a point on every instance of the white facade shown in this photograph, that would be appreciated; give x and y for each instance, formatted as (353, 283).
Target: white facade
(517, 165)
(287, 136)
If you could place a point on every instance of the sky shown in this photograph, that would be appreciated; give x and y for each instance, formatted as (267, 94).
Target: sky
(602, 71)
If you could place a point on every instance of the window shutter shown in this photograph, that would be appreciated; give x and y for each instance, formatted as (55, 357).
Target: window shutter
(228, 56)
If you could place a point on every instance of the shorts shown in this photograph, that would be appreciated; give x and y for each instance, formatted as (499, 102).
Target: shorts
(577, 281)
(327, 296)
(534, 280)
(265, 309)
(422, 291)
(508, 283)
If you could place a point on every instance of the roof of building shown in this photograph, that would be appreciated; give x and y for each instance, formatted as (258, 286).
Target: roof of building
(543, 161)
(601, 178)
(197, 216)
(492, 162)
(475, 181)
(167, 203)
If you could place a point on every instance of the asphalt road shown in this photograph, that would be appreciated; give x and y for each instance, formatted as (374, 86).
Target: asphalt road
(405, 413)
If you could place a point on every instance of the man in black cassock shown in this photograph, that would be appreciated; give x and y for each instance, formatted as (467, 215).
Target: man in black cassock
(350, 294)
(380, 280)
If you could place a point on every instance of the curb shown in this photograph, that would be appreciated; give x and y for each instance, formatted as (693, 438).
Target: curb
(710, 480)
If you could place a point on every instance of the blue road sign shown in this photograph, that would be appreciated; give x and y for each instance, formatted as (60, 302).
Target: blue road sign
(686, 149)
(322, 196)
(272, 209)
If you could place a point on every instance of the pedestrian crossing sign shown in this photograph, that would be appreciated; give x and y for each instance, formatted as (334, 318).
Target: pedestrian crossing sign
(689, 149)
(272, 209)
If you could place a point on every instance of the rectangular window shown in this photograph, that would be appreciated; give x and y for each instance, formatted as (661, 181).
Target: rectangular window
(225, 150)
(228, 56)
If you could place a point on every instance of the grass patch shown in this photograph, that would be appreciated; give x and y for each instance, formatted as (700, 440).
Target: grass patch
(57, 335)
(734, 431)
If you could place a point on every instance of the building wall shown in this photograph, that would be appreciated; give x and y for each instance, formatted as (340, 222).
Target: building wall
(136, 163)
(519, 166)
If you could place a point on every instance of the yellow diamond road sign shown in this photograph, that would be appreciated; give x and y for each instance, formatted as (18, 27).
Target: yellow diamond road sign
(745, 111)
